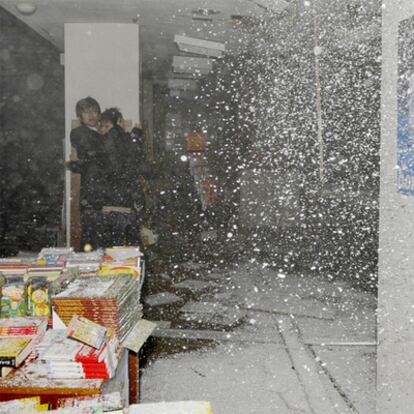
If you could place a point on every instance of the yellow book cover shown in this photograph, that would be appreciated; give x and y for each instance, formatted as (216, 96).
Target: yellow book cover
(31, 404)
(12, 347)
(118, 270)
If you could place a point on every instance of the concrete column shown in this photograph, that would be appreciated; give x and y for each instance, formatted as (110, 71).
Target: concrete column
(395, 374)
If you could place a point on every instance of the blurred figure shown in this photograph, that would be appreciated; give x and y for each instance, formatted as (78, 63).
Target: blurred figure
(124, 198)
(90, 164)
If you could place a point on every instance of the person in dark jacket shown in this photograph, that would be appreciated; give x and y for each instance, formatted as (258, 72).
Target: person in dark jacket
(117, 151)
(90, 163)
(123, 172)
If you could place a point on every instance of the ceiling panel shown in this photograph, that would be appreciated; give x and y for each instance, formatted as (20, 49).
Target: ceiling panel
(159, 20)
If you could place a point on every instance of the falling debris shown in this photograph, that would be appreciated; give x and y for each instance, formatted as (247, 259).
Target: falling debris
(257, 139)
(165, 298)
(194, 285)
(211, 314)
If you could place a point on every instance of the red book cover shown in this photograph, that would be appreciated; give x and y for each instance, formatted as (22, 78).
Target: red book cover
(18, 331)
(95, 369)
(96, 376)
(89, 354)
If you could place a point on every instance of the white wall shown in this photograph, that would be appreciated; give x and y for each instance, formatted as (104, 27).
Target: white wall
(396, 257)
(102, 61)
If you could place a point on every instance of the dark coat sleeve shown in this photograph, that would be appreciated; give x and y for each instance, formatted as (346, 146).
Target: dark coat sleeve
(78, 140)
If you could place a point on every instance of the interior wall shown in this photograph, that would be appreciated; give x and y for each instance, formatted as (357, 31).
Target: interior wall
(102, 61)
(396, 259)
(31, 137)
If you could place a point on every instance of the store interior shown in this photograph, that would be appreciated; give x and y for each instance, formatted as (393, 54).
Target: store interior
(283, 99)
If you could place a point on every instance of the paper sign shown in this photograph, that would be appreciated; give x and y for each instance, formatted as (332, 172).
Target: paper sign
(86, 331)
(138, 335)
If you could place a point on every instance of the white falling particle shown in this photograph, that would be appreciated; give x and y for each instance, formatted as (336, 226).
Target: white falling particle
(229, 235)
(183, 158)
(317, 50)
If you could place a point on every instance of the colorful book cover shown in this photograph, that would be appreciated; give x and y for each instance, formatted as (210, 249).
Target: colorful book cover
(13, 297)
(38, 299)
(13, 351)
(86, 331)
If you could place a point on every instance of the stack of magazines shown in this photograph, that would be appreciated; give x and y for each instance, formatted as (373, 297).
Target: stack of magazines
(121, 260)
(18, 338)
(67, 358)
(112, 301)
(87, 263)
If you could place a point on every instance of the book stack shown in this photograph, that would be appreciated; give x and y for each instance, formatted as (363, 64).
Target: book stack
(66, 358)
(14, 351)
(51, 271)
(31, 327)
(98, 363)
(51, 337)
(12, 266)
(27, 328)
(87, 263)
(112, 301)
(121, 260)
(55, 255)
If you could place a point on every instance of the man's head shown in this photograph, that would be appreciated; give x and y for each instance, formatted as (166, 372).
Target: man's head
(88, 111)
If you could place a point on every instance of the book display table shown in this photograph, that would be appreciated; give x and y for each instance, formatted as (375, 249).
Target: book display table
(94, 316)
(31, 380)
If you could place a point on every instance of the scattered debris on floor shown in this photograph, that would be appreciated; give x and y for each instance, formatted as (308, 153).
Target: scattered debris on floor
(213, 314)
(257, 343)
(194, 285)
(164, 298)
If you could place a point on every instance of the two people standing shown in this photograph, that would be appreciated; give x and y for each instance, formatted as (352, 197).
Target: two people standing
(111, 163)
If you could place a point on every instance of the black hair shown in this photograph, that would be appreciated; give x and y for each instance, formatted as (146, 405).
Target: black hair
(87, 104)
(111, 114)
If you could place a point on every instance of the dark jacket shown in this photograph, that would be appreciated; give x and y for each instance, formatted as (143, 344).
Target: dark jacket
(137, 148)
(118, 175)
(91, 165)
